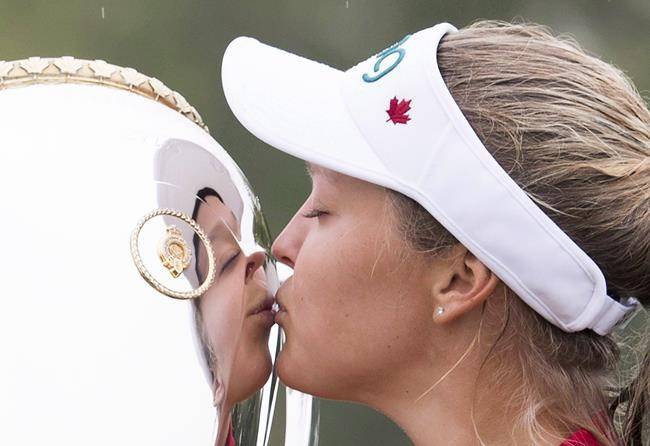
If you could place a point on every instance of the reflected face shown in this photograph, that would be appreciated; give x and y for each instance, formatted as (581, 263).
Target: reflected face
(357, 302)
(236, 311)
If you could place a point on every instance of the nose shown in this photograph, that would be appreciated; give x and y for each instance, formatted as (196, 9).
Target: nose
(253, 263)
(286, 246)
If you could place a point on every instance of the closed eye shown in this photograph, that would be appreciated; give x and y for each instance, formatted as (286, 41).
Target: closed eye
(230, 261)
(314, 213)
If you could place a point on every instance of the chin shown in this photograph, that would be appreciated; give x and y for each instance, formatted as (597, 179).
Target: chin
(301, 378)
(246, 384)
(289, 375)
(251, 370)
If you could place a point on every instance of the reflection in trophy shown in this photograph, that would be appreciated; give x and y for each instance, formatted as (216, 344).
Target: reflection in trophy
(234, 315)
(103, 168)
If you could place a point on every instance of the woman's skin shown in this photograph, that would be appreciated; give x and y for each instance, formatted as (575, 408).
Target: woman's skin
(360, 317)
(236, 310)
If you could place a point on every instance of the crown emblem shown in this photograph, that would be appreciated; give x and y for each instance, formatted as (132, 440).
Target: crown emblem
(173, 252)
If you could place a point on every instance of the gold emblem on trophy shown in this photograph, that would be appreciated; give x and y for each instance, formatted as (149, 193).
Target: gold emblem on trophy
(174, 253)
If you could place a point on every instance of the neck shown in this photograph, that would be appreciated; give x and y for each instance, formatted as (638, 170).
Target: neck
(460, 409)
(443, 415)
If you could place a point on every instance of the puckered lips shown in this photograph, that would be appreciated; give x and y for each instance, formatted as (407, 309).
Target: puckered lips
(281, 308)
(263, 309)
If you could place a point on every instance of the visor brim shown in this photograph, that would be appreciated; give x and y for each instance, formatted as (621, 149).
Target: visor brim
(295, 105)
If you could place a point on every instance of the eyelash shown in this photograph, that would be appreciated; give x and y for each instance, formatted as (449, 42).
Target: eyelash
(314, 213)
(229, 262)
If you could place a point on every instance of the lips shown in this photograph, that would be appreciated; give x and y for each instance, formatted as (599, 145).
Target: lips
(266, 304)
(279, 301)
(281, 312)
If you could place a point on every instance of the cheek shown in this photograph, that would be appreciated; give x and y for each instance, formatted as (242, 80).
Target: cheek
(222, 313)
(359, 269)
(251, 368)
(329, 279)
(357, 305)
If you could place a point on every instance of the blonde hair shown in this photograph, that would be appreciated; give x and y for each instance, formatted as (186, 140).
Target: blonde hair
(574, 134)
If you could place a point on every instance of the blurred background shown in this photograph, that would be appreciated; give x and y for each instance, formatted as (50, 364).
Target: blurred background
(181, 42)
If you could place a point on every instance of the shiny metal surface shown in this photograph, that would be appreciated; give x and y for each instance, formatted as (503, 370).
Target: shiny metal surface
(91, 352)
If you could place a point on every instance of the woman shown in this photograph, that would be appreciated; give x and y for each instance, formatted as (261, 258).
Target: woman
(233, 316)
(477, 227)
(239, 295)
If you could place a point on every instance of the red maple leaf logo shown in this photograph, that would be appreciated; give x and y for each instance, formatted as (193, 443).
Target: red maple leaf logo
(397, 111)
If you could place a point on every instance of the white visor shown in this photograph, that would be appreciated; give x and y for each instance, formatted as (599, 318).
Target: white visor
(391, 121)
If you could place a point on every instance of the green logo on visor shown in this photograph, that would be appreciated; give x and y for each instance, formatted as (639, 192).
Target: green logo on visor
(378, 72)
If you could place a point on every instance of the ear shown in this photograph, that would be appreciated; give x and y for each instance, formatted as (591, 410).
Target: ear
(463, 284)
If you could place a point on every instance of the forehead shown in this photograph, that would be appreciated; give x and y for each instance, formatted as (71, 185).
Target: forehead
(212, 212)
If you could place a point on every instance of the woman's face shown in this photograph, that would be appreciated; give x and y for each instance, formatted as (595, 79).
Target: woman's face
(358, 301)
(236, 310)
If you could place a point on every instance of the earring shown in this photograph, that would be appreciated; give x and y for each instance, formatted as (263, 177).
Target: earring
(440, 311)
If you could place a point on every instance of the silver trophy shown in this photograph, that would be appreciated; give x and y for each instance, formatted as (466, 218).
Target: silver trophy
(136, 303)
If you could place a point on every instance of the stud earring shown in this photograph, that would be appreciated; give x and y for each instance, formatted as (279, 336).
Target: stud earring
(440, 311)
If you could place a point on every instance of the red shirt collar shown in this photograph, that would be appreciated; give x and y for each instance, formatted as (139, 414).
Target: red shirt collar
(230, 441)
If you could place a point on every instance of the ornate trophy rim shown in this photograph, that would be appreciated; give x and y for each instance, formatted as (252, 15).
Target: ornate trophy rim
(67, 69)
